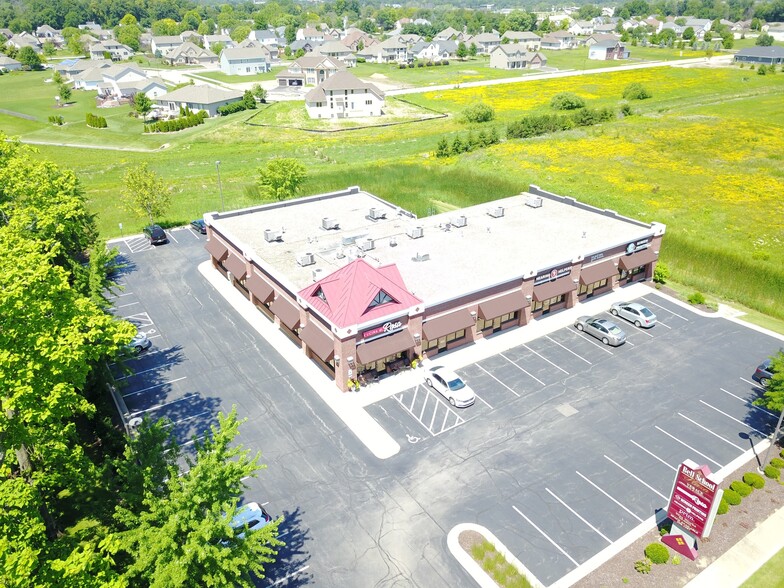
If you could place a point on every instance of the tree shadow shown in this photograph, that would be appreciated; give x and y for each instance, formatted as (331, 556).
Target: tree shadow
(288, 570)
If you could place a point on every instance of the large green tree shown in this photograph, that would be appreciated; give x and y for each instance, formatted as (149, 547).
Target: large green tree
(145, 193)
(281, 178)
(773, 397)
(28, 58)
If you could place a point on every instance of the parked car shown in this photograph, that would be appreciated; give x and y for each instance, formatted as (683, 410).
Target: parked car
(635, 313)
(155, 234)
(450, 386)
(607, 331)
(251, 515)
(139, 343)
(763, 373)
(199, 226)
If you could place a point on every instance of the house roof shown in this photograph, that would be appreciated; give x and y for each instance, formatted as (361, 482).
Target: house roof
(775, 51)
(116, 71)
(608, 44)
(5, 60)
(485, 38)
(167, 40)
(201, 94)
(448, 33)
(349, 292)
(312, 61)
(521, 35)
(341, 80)
(333, 47)
(191, 49)
(236, 54)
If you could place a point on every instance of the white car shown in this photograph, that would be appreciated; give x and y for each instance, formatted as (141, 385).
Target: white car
(450, 386)
(253, 515)
(139, 343)
(635, 313)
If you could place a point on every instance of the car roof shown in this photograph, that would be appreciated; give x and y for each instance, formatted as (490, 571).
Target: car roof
(247, 513)
(444, 372)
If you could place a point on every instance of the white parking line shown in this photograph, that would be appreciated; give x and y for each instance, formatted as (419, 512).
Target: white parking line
(433, 419)
(152, 387)
(497, 380)
(674, 438)
(667, 309)
(651, 488)
(458, 419)
(519, 367)
(733, 418)
(569, 350)
(123, 294)
(711, 432)
(545, 535)
(608, 496)
(483, 401)
(586, 337)
(413, 400)
(750, 404)
(751, 382)
(424, 405)
(547, 360)
(129, 304)
(291, 575)
(172, 236)
(658, 322)
(575, 513)
(186, 419)
(162, 404)
(643, 331)
(152, 369)
(654, 456)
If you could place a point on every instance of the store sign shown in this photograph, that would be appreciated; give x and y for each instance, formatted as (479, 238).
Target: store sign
(692, 499)
(552, 275)
(637, 246)
(386, 328)
(596, 257)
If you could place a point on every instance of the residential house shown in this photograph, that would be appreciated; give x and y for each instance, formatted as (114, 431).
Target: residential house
(581, 27)
(73, 67)
(8, 64)
(516, 56)
(312, 34)
(46, 33)
(337, 50)
(211, 40)
(272, 53)
(389, 51)
(608, 50)
(485, 42)
(556, 42)
(654, 23)
(532, 41)
(125, 81)
(25, 39)
(606, 28)
(433, 50)
(343, 95)
(196, 98)
(409, 39)
(5, 35)
(700, 26)
(244, 61)
(674, 27)
(309, 70)
(89, 79)
(599, 37)
(116, 51)
(776, 30)
(191, 37)
(90, 26)
(161, 45)
(189, 54)
(773, 55)
(306, 46)
(267, 37)
(356, 39)
(449, 34)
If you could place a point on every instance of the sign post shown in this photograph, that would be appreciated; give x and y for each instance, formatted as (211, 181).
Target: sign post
(694, 501)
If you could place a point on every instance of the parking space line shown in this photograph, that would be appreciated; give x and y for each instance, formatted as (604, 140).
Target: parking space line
(123, 294)
(483, 401)
(443, 424)
(711, 432)
(153, 387)
(608, 496)
(547, 360)
(162, 404)
(575, 513)
(658, 322)
(674, 438)
(175, 423)
(586, 337)
(569, 350)
(129, 304)
(667, 309)
(642, 331)
(545, 535)
(144, 371)
(651, 488)
(519, 367)
(654, 456)
(497, 380)
(424, 405)
(433, 420)
(413, 400)
(171, 234)
(291, 575)
(752, 383)
(750, 404)
(629, 343)
(734, 419)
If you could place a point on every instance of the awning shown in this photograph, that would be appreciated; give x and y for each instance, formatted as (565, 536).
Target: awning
(600, 271)
(236, 265)
(384, 347)
(217, 249)
(287, 312)
(318, 341)
(552, 289)
(638, 259)
(259, 287)
(444, 325)
(507, 303)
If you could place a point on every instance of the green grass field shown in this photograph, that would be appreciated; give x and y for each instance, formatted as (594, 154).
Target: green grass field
(219, 76)
(703, 155)
(771, 575)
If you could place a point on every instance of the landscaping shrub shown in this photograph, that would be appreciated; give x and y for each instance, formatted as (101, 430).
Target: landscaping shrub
(567, 101)
(232, 108)
(95, 121)
(586, 117)
(479, 112)
(777, 462)
(420, 64)
(724, 507)
(471, 142)
(445, 62)
(538, 124)
(177, 124)
(754, 480)
(762, 70)
(772, 472)
(636, 91)
(696, 298)
(661, 274)
(657, 553)
(643, 566)
(732, 497)
(626, 110)
(741, 488)
(57, 120)
(402, 66)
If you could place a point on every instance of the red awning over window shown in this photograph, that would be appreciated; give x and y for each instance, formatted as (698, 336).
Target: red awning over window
(644, 257)
(384, 347)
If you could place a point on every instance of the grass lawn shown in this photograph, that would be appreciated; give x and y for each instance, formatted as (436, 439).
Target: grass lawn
(771, 575)
(456, 72)
(219, 76)
(578, 58)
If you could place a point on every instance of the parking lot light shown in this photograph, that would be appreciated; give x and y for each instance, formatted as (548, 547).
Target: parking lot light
(775, 436)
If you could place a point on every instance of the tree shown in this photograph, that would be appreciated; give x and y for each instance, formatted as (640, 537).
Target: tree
(49, 48)
(165, 27)
(145, 193)
(290, 34)
(518, 20)
(65, 93)
(128, 32)
(462, 51)
(240, 33)
(588, 11)
(688, 33)
(764, 40)
(281, 178)
(773, 397)
(249, 100)
(142, 105)
(29, 58)
(178, 526)
(260, 93)
(472, 50)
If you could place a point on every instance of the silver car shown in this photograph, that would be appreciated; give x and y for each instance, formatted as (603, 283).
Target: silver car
(607, 331)
(635, 313)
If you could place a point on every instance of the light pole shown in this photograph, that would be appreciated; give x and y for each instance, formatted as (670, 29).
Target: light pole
(220, 186)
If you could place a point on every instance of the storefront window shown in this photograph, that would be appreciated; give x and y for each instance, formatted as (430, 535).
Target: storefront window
(589, 288)
(382, 366)
(496, 323)
(545, 305)
(443, 342)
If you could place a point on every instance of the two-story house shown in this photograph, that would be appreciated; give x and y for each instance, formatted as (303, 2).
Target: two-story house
(343, 95)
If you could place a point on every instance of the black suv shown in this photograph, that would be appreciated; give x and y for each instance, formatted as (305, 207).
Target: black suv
(155, 234)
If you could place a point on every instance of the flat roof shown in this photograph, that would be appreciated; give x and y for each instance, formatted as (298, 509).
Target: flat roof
(448, 260)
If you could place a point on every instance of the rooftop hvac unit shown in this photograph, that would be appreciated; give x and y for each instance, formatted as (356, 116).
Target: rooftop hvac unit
(304, 259)
(421, 257)
(393, 241)
(534, 201)
(348, 240)
(459, 221)
(366, 244)
(339, 253)
(271, 236)
(329, 223)
(496, 211)
(415, 232)
(377, 214)
(317, 274)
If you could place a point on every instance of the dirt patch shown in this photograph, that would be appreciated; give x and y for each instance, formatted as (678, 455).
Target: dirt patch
(467, 540)
(378, 76)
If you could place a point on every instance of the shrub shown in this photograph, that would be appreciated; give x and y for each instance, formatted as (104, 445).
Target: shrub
(732, 497)
(586, 117)
(479, 112)
(696, 298)
(57, 120)
(741, 488)
(538, 124)
(227, 109)
(420, 64)
(676, 561)
(772, 472)
(95, 121)
(777, 462)
(567, 101)
(445, 62)
(754, 480)
(402, 66)
(643, 566)
(636, 91)
(657, 553)
(626, 110)
(361, 60)
(661, 274)
(724, 507)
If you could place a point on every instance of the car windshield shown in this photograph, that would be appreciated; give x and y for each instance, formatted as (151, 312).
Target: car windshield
(615, 330)
(645, 311)
(456, 384)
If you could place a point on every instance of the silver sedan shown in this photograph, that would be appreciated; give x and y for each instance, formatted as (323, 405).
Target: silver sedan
(635, 313)
(606, 331)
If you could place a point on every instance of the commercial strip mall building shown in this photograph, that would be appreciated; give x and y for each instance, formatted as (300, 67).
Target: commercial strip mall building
(365, 287)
